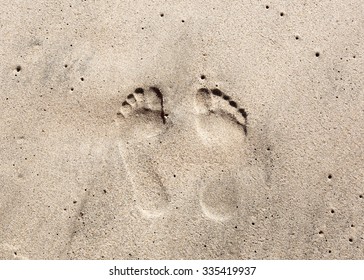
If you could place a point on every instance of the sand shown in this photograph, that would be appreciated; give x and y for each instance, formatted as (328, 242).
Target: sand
(182, 129)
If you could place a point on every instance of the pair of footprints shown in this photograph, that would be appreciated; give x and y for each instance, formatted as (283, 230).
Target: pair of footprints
(144, 117)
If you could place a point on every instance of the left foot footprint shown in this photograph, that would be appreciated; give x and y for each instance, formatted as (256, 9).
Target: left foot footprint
(142, 120)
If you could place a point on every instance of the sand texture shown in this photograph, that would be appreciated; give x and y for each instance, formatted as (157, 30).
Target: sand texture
(182, 129)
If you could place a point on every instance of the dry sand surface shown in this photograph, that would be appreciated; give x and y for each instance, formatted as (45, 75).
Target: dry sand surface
(182, 129)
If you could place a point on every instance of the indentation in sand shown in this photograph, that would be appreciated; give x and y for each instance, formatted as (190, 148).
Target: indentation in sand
(220, 119)
(219, 199)
(222, 125)
(10, 252)
(141, 121)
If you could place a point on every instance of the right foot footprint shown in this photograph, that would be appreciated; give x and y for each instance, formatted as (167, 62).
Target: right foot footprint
(142, 121)
(222, 125)
(220, 120)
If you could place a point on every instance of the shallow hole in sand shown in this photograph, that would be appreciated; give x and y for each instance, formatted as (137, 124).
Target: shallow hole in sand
(233, 104)
(243, 112)
(139, 90)
(216, 92)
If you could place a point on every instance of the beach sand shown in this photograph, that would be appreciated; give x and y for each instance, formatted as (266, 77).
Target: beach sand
(182, 129)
